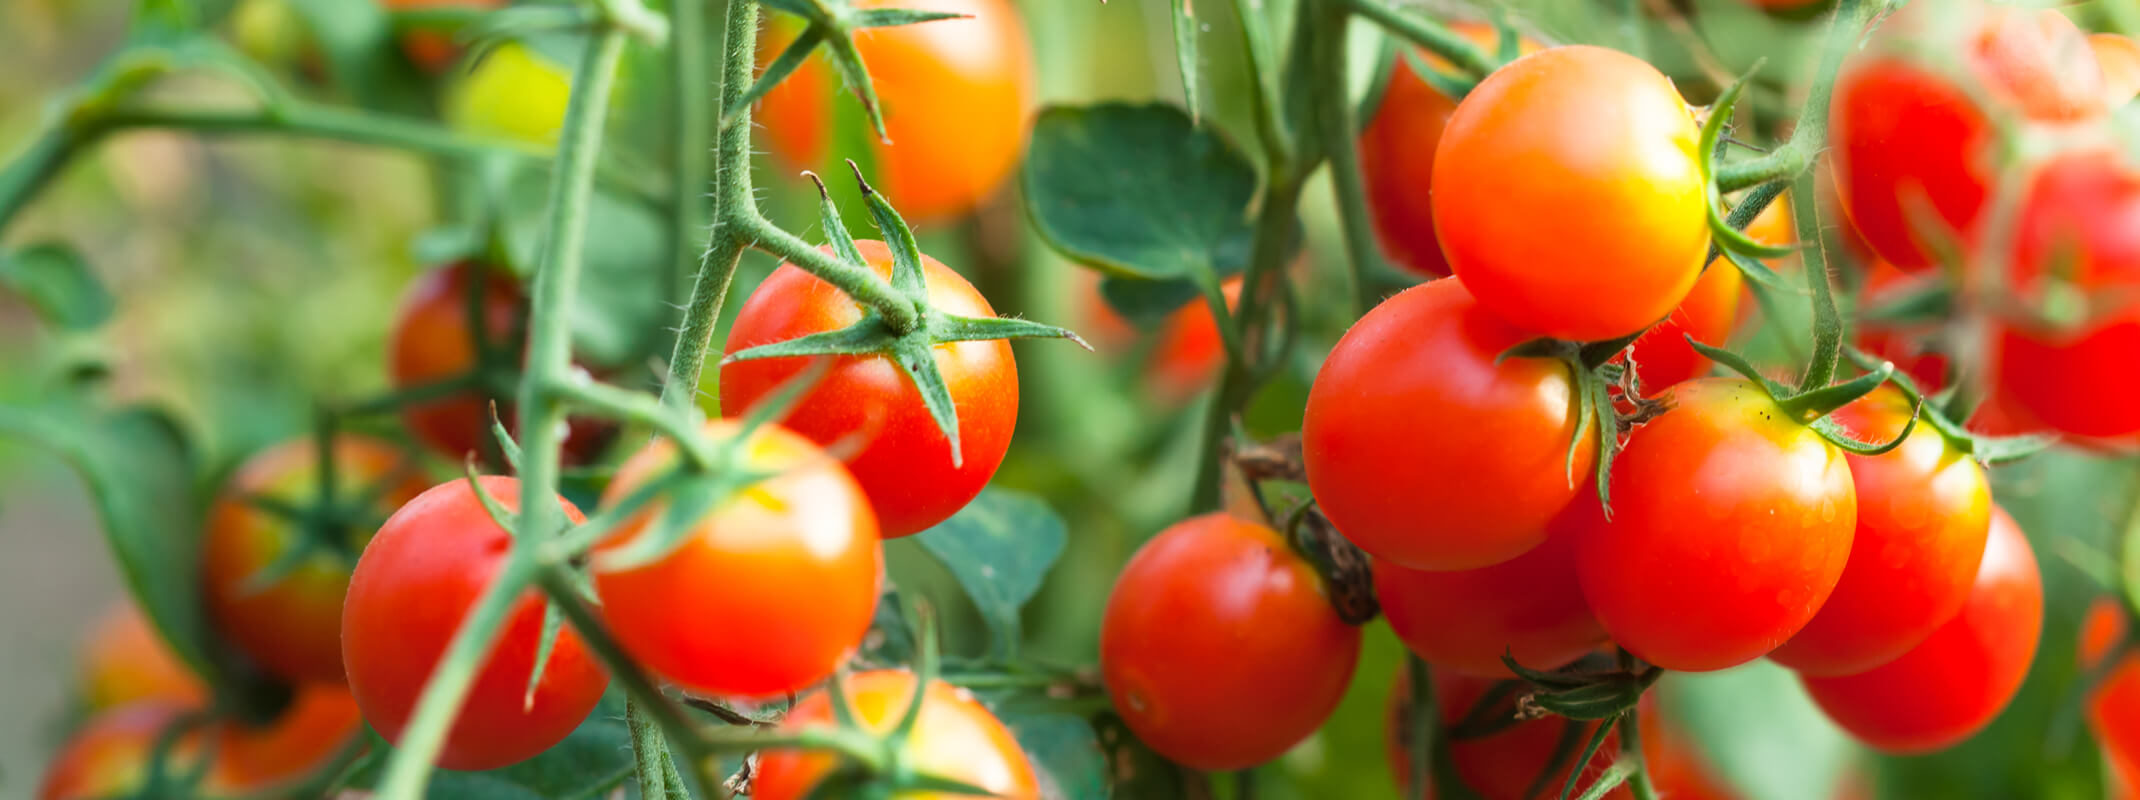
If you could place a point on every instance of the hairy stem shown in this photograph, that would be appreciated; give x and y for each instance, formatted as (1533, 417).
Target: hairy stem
(1340, 137)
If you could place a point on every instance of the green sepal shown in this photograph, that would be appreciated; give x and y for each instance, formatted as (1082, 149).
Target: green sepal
(691, 498)
(1450, 85)
(868, 336)
(893, 17)
(907, 274)
(781, 67)
(300, 551)
(1596, 701)
(847, 61)
(552, 621)
(836, 235)
(1818, 403)
(776, 404)
(1987, 450)
(505, 519)
(1835, 434)
(1992, 451)
(918, 360)
(954, 328)
(1738, 363)
(1548, 681)
(507, 447)
(1729, 238)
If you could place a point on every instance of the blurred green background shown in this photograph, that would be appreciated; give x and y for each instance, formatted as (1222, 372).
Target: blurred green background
(256, 278)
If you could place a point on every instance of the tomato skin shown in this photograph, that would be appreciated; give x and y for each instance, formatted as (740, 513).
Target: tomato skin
(1709, 313)
(1416, 376)
(125, 660)
(288, 627)
(1210, 611)
(1529, 606)
(1924, 512)
(791, 565)
(1730, 525)
(1397, 157)
(433, 341)
(1504, 764)
(320, 723)
(110, 755)
(2119, 58)
(956, 737)
(2082, 221)
(978, 71)
(513, 93)
(431, 51)
(1575, 127)
(1953, 684)
(905, 463)
(417, 581)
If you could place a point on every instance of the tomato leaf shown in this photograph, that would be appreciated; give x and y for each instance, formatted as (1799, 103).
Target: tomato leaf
(999, 547)
(1136, 190)
(58, 284)
(1064, 750)
(1741, 718)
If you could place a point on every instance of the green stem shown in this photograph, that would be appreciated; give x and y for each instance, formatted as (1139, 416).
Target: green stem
(861, 284)
(1274, 226)
(1433, 36)
(1810, 134)
(1422, 725)
(621, 404)
(1340, 137)
(650, 754)
(1827, 320)
(409, 768)
(732, 201)
(28, 173)
(1638, 777)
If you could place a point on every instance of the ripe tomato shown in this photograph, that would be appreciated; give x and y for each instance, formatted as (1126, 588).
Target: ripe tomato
(2082, 225)
(1415, 409)
(1909, 138)
(2119, 58)
(434, 341)
(321, 722)
(955, 737)
(287, 626)
(1397, 157)
(1952, 685)
(904, 463)
(513, 93)
(110, 756)
(1529, 607)
(125, 660)
(1662, 355)
(1574, 127)
(1213, 610)
(1730, 524)
(955, 95)
(1924, 510)
(429, 50)
(415, 584)
(1502, 765)
(2114, 704)
(1187, 350)
(790, 565)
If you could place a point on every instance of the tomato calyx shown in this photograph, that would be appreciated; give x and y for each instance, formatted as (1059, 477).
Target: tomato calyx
(832, 23)
(1941, 412)
(1347, 573)
(1597, 383)
(911, 350)
(1600, 688)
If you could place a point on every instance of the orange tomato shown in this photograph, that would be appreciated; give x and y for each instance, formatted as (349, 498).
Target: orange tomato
(125, 660)
(955, 737)
(2119, 57)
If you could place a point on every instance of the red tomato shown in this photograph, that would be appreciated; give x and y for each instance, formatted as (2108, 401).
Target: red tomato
(321, 723)
(415, 584)
(433, 341)
(1676, 766)
(1188, 350)
(1730, 524)
(1907, 134)
(1415, 409)
(1213, 610)
(790, 565)
(125, 660)
(2081, 224)
(110, 756)
(2119, 58)
(904, 463)
(1952, 685)
(2114, 704)
(1574, 127)
(1924, 511)
(955, 95)
(1504, 764)
(432, 51)
(955, 737)
(288, 626)
(1528, 606)
(1711, 310)
(1397, 157)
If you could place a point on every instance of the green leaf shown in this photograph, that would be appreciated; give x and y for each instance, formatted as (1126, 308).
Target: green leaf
(917, 359)
(890, 641)
(362, 54)
(1065, 751)
(1136, 190)
(1742, 718)
(1147, 303)
(999, 547)
(58, 284)
(620, 286)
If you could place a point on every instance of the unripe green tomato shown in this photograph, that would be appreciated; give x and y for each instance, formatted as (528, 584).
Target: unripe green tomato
(512, 93)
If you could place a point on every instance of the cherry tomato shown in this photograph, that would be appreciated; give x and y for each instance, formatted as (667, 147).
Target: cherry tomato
(1415, 409)
(125, 660)
(1528, 607)
(2080, 229)
(1662, 355)
(417, 581)
(111, 755)
(1675, 762)
(1952, 685)
(1730, 525)
(1397, 157)
(321, 723)
(2119, 58)
(1506, 763)
(513, 93)
(904, 463)
(955, 94)
(433, 342)
(2114, 704)
(955, 737)
(1574, 127)
(1187, 350)
(432, 51)
(1213, 610)
(287, 625)
(1909, 139)
(1924, 510)
(789, 564)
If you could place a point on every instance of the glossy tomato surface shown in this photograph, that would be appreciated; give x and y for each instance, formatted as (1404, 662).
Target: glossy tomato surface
(321, 723)
(2113, 705)
(1953, 684)
(868, 404)
(1213, 610)
(126, 660)
(1574, 127)
(955, 737)
(789, 564)
(956, 95)
(1529, 607)
(1414, 409)
(288, 625)
(1924, 511)
(415, 585)
(1730, 525)
(1709, 313)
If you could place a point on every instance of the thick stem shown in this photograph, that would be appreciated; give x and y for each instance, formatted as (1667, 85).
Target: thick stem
(1259, 287)
(650, 755)
(1422, 727)
(28, 173)
(1340, 137)
(1433, 36)
(1827, 320)
(1810, 134)
(861, 284)
(1638, 776)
